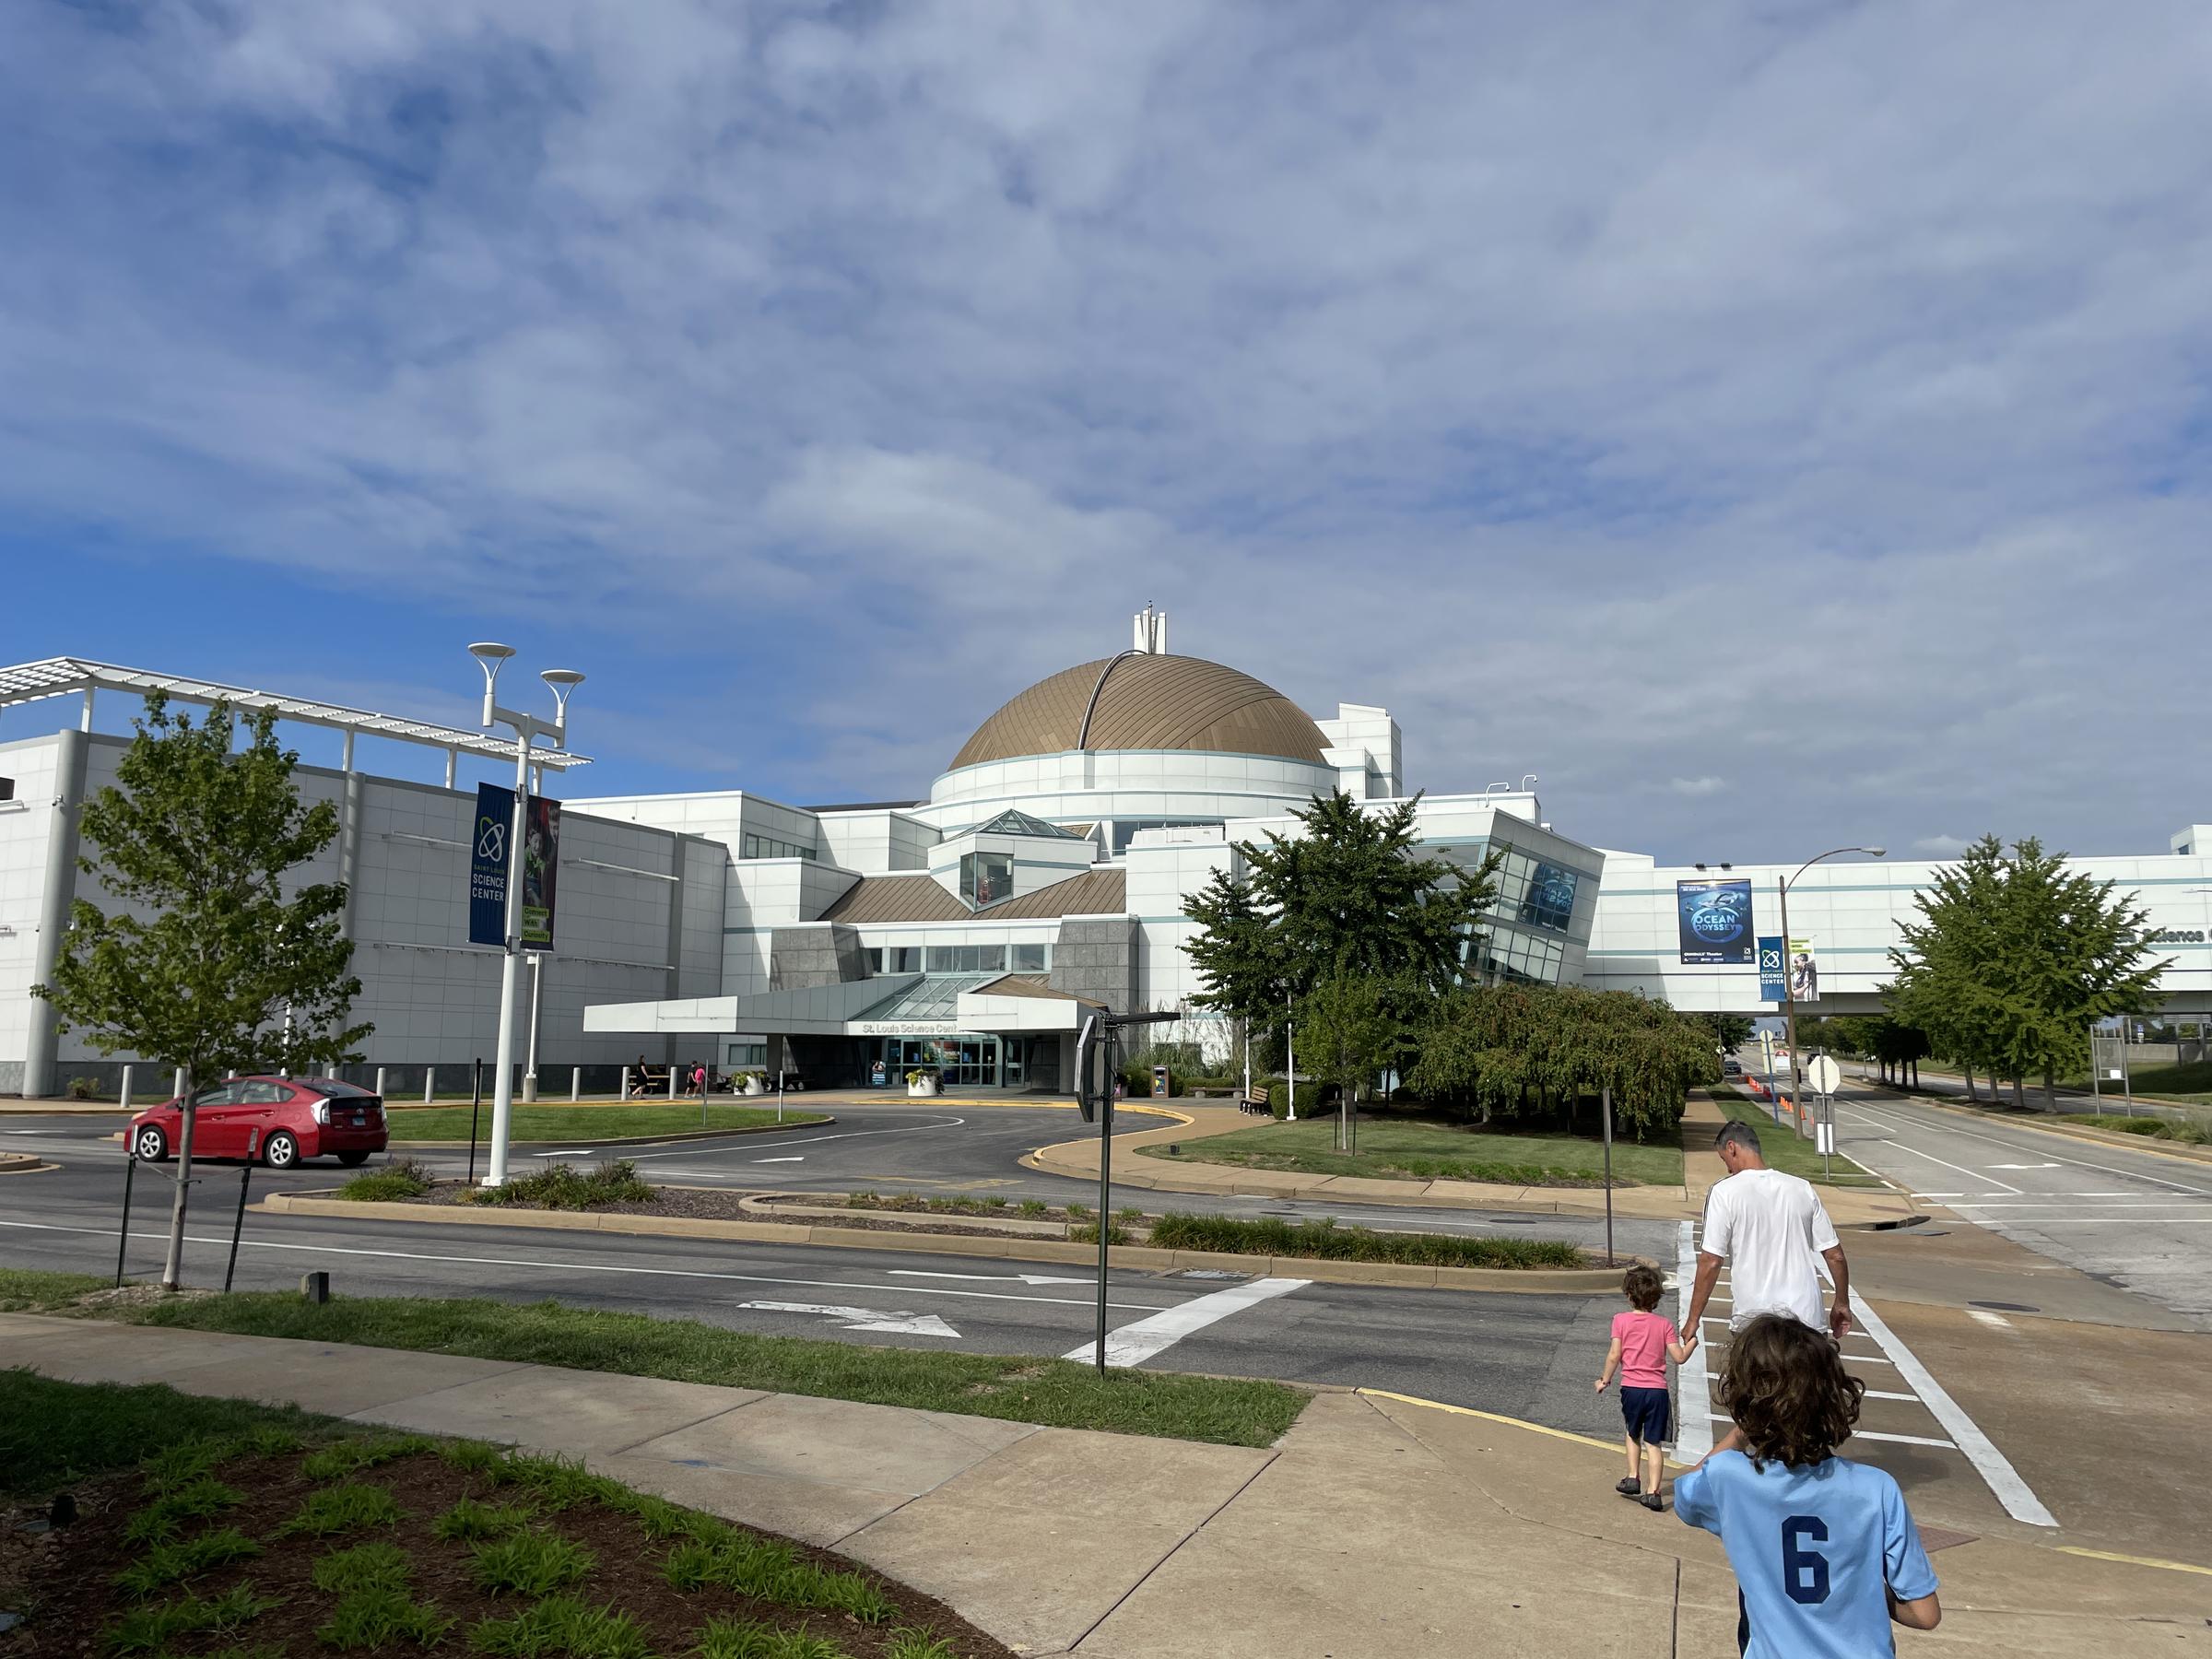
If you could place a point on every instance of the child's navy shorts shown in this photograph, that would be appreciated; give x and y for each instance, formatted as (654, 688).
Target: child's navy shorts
(1645, 1412)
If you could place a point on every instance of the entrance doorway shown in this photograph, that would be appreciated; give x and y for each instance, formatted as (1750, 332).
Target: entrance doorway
(960, 1062)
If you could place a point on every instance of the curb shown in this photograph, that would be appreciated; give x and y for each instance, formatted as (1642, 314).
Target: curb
(1572, 1281)
(635, 1140)
(23, 1163)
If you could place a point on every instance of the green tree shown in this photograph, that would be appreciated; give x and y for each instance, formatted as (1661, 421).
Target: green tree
(1352, 1028)
(1351, 895)
(1730, 1032)
(210, 965)
(2016, 958)
(1524, 1052)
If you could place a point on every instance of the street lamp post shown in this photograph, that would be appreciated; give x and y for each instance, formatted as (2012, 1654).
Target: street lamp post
(1789, 990)
(528, 728)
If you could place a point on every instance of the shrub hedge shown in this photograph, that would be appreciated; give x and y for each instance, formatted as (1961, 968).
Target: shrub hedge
(1324, 1241)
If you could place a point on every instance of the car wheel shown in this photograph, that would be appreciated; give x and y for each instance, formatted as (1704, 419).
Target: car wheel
(281, 1151)
(150, 1144)
(353, 1160)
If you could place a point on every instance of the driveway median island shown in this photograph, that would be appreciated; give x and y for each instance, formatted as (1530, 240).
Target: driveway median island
(591, 1124)
(1431, 1149)
(614, 1189)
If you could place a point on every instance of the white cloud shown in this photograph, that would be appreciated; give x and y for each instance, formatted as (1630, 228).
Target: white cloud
(1805, 395)
(1941, 846)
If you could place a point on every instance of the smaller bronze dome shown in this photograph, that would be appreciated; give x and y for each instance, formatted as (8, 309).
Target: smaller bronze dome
(1146, 702)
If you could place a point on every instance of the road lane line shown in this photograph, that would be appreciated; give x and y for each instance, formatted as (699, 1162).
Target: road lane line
(1947, 1163)
(1693, 1436)
(1147, 1338)
(2079, 1163)
(1995, 1469)
(1876, 1394)
(689, 1273)
(693, 1150)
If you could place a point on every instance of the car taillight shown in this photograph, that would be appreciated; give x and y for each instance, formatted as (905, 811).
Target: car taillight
(323, 1111)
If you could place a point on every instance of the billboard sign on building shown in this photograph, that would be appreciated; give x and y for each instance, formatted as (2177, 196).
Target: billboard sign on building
(1714, 922)
(1804, 972)
(1774, 984)
(488, 864)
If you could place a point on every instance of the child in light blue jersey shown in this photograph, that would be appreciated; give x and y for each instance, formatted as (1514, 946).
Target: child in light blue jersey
(1824, 1554)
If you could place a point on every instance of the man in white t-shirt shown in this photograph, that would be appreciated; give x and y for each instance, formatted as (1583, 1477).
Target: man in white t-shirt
(1769, 1227)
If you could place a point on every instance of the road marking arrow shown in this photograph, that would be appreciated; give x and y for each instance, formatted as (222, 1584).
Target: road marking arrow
(992, 1280)
(864, 1319)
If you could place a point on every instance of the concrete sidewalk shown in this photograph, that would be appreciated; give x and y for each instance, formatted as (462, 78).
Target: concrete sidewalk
(1848, 1206)
(1377, 1528)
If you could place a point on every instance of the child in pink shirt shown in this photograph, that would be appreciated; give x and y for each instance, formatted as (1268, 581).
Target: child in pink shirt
(1643, 1341)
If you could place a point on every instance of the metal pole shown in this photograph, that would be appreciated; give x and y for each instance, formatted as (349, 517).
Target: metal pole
(125, 1100)
(2095, 1092)
(2127, 1072)
(475, 1102)
(238, 1225)
(672, 1078)
(123, 1238)
(511, 961)
(1290, 1066)
(575, 1084)
(625, 1085)
(1112, 1041)
(779, 1094)
(1605, 1101)
(379, 1082)
(537, 986)
(429, 1085)
(1789, 994)
(177, 1084)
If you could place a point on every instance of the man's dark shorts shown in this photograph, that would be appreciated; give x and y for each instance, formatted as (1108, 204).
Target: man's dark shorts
(1645, 1412)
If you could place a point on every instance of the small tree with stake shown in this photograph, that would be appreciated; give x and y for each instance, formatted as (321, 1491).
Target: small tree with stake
(209, 966)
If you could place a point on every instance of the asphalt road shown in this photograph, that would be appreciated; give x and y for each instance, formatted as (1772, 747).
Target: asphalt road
(2135, 1220)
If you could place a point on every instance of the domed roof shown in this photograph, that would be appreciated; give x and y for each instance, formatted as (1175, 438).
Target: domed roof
(1147, 701)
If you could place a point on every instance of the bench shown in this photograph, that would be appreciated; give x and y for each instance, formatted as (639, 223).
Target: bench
(1256, 1102)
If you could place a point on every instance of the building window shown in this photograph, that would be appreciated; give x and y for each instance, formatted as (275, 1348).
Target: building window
(742, 1054)
(902, 958)
(967, 959)
(1032, 958)
(986, 878)
(875, 954)
(1548, 900)
(1125, 828)
(766, 846)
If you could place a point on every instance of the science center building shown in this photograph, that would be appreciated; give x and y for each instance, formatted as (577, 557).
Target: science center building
(970, 932)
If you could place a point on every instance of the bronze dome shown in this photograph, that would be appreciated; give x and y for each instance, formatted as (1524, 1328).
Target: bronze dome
(1146, 702)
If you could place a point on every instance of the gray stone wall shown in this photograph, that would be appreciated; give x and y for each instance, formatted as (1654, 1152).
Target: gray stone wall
(1098, 958)
(800, 956)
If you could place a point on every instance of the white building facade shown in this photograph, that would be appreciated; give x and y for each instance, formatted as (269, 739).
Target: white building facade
(969, 933)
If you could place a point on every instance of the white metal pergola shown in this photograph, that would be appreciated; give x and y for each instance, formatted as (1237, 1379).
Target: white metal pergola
(76, 677)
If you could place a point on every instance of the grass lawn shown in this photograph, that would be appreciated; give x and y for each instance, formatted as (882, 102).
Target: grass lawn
(29, 1291)
(2189, 1133)
(1057, 1393)
(583, 1125)
(1427, 1150)
(249, 1530)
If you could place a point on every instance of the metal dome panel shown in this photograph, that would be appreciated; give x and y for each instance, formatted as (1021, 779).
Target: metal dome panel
(1146, 702)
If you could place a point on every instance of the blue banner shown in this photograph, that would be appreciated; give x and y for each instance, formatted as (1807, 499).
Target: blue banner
(1773, 986)
(1714, 920)
(487, 865)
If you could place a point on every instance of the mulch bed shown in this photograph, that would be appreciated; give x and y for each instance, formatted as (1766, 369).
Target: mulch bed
(61, 1578)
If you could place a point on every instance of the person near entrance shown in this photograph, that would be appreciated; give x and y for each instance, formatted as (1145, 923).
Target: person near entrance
(1771, 1231)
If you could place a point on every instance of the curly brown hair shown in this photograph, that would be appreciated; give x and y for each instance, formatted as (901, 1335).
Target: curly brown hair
(1644, 1288)
(1784, 1384)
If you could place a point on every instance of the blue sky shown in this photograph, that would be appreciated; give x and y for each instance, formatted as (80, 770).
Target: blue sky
(1770, 424)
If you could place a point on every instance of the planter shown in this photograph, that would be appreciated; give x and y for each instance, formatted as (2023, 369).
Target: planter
(924, 1091)
(752, 1087)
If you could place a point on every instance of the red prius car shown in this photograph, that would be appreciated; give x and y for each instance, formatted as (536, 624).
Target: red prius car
(278, 1120)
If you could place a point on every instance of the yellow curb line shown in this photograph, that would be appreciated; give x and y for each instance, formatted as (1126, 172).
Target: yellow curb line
(1512, 1422)
(2132, 1561)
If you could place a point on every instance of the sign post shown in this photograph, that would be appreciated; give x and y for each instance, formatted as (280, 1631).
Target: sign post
(1103, 1029)
(1823, 1076)
(1605, 1098)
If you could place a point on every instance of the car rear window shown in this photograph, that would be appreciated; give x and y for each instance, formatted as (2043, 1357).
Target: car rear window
(334, 1090)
